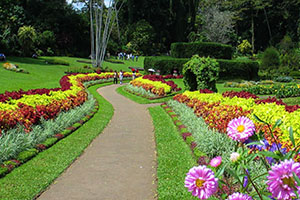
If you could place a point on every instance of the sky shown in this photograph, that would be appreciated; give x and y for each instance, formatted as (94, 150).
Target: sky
(80, 5)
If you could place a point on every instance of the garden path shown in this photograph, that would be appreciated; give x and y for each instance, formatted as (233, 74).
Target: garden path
(119, 164)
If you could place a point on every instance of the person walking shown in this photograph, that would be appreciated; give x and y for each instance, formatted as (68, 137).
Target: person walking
(121, 77)
(133, 74)
(115, 77)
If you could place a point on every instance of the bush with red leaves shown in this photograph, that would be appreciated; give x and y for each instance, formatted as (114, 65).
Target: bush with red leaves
(241, 94)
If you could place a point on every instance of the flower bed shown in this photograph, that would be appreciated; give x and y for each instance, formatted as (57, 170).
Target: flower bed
(218, 111)
(28, 107)
(14, 68)
(155, 84)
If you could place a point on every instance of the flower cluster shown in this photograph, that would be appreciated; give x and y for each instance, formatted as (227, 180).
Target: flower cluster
(282, 177)
(28, 107)
(155, 84)
(217, 111)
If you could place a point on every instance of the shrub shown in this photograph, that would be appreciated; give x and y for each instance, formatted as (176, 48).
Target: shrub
(166, 65)
(200, 73)
(285, 79)
(295, 74)
(244, 47)
(243, 69)
(229, 69)
(270, 59)
(203, 49)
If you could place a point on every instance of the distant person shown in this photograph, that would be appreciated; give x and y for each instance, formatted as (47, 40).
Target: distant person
(136, 58)
(2, 57)
(115, 77)
(133, 74)
(121, 77)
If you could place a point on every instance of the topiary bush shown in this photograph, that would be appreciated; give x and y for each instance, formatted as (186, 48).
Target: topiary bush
(200, 73)
(270, 59)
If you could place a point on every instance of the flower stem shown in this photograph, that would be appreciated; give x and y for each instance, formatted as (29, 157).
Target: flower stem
(253, 184)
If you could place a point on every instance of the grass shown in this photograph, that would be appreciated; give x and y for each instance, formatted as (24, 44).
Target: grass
(174, 159)
(292, 100)
(42, 75)
(28, 180)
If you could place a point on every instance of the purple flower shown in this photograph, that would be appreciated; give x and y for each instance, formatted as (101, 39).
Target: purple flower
(239, 196)
(281, 182)
(274, 148)
(240, 129)
(215, 162)
(201, 182)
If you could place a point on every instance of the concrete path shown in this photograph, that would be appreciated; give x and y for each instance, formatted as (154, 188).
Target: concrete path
(119, 164)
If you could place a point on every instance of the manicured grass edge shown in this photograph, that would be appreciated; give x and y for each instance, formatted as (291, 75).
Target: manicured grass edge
(30, 179)
(174, 158)
(186, 135)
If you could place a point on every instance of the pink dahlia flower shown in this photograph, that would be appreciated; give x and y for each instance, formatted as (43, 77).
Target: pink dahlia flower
(281, 182)
(240, 129)
(215, 162)
(239, 196)
(201, 182)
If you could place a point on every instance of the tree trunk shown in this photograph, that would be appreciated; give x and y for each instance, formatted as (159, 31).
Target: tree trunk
(252, 32)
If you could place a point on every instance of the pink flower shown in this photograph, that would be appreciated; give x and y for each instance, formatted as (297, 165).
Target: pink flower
(240, 129)
(201, 182)
(281, 182)
(215, 162)
(239, 196)
(234, 156)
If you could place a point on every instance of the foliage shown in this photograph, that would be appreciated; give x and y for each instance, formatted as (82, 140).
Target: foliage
(244, 47)
(46, 40)
(244, 69)
(200, 73)
(211, 49)
(218, 25)
(142, 38)
(295, 74)
(140, 90)
(17, 140)
(206, 104)
(285, 79)
(27, 37)
(286, 44)
(232, 69)
(290, 61)
(47, 166)
(270, 59)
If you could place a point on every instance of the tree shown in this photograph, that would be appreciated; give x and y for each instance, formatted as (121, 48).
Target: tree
(101, 28)
(27, 38)
(218, 25)
(143, 38)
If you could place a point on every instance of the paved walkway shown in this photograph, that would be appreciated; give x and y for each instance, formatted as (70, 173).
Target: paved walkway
(119, 164)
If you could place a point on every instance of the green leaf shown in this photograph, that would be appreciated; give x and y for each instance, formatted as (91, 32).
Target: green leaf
(270, 154)
(258, 119)
(296, 179)
(220, 171)
(277, 123)
(292, 136)
(254, 143)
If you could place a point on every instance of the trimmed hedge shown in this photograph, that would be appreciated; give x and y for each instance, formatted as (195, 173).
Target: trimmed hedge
(238, 69)
(203, 49)
(247, 70)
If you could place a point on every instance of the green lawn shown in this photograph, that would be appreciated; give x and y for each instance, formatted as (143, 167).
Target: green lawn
(42, 75)
(174, 158)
